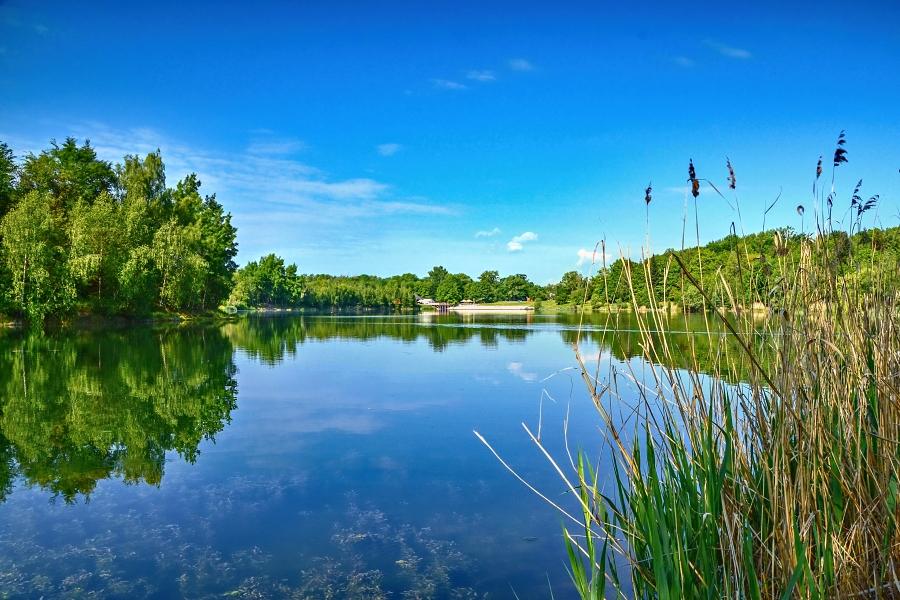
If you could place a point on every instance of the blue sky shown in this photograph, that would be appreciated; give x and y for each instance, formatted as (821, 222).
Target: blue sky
(387, 137)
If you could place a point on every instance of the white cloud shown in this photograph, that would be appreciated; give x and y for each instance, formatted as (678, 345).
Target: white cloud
(388, 149)
(272, 197)
(447, 84)
(528, 236)
(683, 61)
(520, 64)
(517, 243)
(481, 75)
(517, 369)
(729, 51)
(487, 232)
(585, 256)
(594, 256)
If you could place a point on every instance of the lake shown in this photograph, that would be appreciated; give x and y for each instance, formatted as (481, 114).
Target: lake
(294, 456)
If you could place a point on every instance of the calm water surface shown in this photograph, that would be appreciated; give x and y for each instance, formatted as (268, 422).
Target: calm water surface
(306, 457)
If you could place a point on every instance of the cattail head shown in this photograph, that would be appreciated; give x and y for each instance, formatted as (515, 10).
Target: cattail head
(819, 168)
(856, 200)
(648, 193)
(861, 207)
(692, 177)
(840, 153)
(732, 182)
(781, 244)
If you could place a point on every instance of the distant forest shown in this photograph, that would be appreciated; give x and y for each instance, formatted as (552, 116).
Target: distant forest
(82, 235)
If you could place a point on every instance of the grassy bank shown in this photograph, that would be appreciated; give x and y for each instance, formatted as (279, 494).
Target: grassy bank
(785, 486)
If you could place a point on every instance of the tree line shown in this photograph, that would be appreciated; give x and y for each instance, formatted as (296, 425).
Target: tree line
(737, 270)
(268, 282)
(78, 233)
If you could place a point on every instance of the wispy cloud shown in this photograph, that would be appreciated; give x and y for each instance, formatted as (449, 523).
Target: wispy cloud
(729, 51)
(481, 75)
(594, 256)
(683, 61)
(585, 255)
(518, 242)
(271, 195)
(487, 232)
(520, 64)
(275, 147)
(447, 84)
(388, 149)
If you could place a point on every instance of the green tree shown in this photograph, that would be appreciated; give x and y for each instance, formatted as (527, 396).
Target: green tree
(68, 173)
(515, 287)
(180, 268)
(34, 254)
(450, 290)
(97, 249)
(9, 174)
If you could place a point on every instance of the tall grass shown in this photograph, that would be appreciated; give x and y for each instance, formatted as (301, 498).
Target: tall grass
(782, 486)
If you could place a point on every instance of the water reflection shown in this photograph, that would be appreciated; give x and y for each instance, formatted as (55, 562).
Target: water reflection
(346, 467)
(78, 407)
(81, 406)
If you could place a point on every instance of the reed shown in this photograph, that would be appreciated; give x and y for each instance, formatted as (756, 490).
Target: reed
(782, 486)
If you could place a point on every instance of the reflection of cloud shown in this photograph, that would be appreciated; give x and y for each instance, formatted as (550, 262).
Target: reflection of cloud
(517, 369)
(595, 357)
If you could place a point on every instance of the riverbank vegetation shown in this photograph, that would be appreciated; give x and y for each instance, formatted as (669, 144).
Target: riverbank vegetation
(79, 234)
(782, 486)
(82, 235)
(269, 283)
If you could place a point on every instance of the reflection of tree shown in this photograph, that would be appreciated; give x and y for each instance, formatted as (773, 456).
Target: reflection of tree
(695, 342)
(271, 338)
(81, 407)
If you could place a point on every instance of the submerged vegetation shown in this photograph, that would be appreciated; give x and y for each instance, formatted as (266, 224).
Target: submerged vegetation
(782, 486)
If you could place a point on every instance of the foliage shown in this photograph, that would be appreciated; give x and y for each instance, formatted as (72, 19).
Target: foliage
(78, 232)
(763, 460)
(269, 283)
(34, 252)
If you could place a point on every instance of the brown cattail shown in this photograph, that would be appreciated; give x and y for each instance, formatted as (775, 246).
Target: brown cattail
(692, 177)
(732, 182)
(819, 168)
(840, 153)
(648, 193)
(856, 199)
